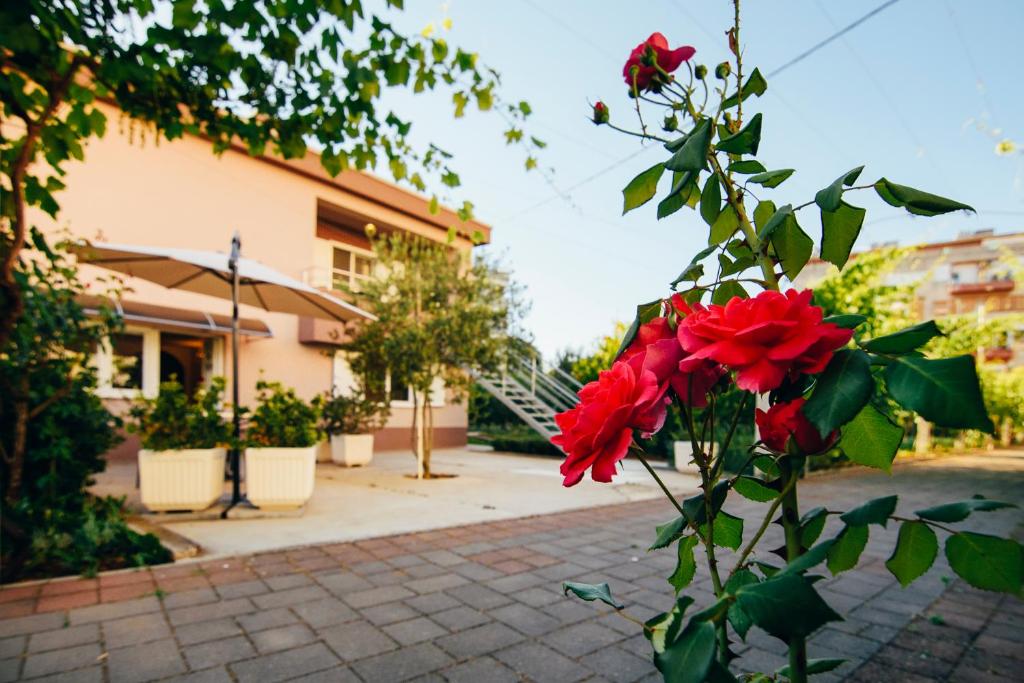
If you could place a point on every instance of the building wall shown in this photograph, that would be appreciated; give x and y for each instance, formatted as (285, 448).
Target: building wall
(138, 190)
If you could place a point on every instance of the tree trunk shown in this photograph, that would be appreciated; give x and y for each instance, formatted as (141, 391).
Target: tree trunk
(16, 457)
(1006, 432)
(923, 438)
(428, 433)
(417, 433)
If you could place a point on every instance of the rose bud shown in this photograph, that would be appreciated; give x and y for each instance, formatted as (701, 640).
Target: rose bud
(723, 70)
(670, 123)
(700, 71)
(600, 113)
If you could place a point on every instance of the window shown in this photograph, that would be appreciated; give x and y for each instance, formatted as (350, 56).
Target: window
(381, 386)
(126, 361)
(128, 364)
(349, 267)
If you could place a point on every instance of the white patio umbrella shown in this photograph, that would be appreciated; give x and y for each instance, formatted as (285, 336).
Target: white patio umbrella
(227, 276)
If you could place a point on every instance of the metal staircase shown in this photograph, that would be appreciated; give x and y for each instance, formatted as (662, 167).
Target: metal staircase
(533, 391)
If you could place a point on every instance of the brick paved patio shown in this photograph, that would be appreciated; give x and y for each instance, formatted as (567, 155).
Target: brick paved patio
(482, 603)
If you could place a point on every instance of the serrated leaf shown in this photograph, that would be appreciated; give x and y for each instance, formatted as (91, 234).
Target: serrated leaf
(847, 321)
(755, 85)
(746, 141)
(958, 512)
(726, 291)
(915, 551)
(846, 549)
(728, 530)
(747, 166)
(725, 225)
(871, 439)
(810, 559)
(663, 628)
(814, 666)
(874, 511)
(986, 562)
(668, 532)
(686, 565)
(694, 270)
(792, 245)
(811, 525)
(688, 659)
(711, 200)
(591, 592)
(915, 201)
(763, 213)
(755, 489)
(943, 391)
(839, 232)
(841, 391)
(775, 222)
(829, 198)
(739, 620)
(771, 178)
(906, 340)
(785, 606)
(693, 155)
(642, 188)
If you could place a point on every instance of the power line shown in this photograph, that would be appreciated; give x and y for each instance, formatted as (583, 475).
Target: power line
(846, 29)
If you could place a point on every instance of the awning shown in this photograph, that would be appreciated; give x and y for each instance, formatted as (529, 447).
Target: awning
(174, 319)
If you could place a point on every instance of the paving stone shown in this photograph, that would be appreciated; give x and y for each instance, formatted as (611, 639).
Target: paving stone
(377, 596)
(196, 596)
(479, 640)
(205, 631)
(113, 610)
(9, 669)
(326, 612)
(340, 583)
(218, 675)
(280, 583)
(480, 669)
(132, 630)
(525, 619)
(31, 624)
(212, 653)
(215, 610)
(292, 596)
(618, 665)
(257, 621)
(432, 602)
(582, 638)
(542, 664)
(439, 582)
(65, 659)
(388, 613)
(282, 638)
(336, 674)
(12, 647)
(145, 662)
(93, 674)
(415, 631)
(444, 558)
(241, 590)
(478, 596)
(460, 618)
(403, 665)
(285, 665)
(64, 637)
(357, 639)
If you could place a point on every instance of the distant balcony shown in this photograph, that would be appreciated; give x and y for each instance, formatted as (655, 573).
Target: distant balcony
(993, 287)
(999, 355)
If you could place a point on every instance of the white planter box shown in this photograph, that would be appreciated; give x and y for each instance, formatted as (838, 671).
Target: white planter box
(191, 479)
(323, 451)
(279, 478)
(352, 450)
(683, 451)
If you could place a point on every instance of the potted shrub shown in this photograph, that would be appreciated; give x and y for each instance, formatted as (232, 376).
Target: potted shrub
(181, 464)
(281, 445)
(350, 422)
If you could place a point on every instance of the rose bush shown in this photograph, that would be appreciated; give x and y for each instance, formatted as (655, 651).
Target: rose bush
(823, 386)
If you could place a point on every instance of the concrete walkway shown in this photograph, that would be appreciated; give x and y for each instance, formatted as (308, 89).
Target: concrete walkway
(482, 603)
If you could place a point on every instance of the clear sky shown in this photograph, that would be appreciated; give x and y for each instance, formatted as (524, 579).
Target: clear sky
(903, 93)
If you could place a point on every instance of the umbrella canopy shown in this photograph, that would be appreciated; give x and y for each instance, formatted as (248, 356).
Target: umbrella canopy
(208, 272)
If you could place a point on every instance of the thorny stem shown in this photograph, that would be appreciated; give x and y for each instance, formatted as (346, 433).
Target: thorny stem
(794, 548)
(763, 528)
(720, 461)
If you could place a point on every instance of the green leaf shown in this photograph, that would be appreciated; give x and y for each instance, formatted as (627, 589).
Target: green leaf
(688, 659)
(726, 291)
(644, 314)
(847, 321)
(810, 559)
(591, 592)
(737, 617)
(641, 188)
(839, 231)
(915, 201)
(841, 391)
(711, 200)
(846, 549)
(668, 532)
(754, 489)
(747, 166)
(775, 222)
(811, 525)
(905, 340)
(871, 439)
(763, 212)
(662, 629)
(944, 391)
(814, 666)
(914, 553)
(771, 178)
(785, 606)
(745, 141)
(686, 566)
(728, 530)
(875, 511)
(792, 245)
(755, 85)
(693, 155)
(725, 225)
(986, 562)
(830, 197)
(694, 270)
(958, 512)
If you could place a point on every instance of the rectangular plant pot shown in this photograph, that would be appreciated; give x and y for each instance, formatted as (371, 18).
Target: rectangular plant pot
(280, 478)
(191, 479)
(352, 450)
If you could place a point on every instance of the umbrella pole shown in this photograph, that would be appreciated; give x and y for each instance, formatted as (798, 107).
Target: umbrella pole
(236, 475)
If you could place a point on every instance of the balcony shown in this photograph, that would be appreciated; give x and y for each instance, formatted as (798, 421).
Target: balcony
(992, 287)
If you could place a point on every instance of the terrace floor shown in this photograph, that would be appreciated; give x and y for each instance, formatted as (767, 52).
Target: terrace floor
(481, 602)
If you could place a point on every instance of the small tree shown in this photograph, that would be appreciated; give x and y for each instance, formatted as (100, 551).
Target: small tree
(440, 316)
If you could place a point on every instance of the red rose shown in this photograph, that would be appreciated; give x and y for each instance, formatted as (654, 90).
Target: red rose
(664, 356)
(764, 339)
(786, 420)
(668, 60)
(597, 433)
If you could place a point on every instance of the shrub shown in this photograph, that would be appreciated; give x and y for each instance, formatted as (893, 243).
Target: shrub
(532, 445)
(173, 422)
(281, 419)
(354, 414)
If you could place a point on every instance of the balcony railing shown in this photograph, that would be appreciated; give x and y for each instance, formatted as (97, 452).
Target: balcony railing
(993, 286)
